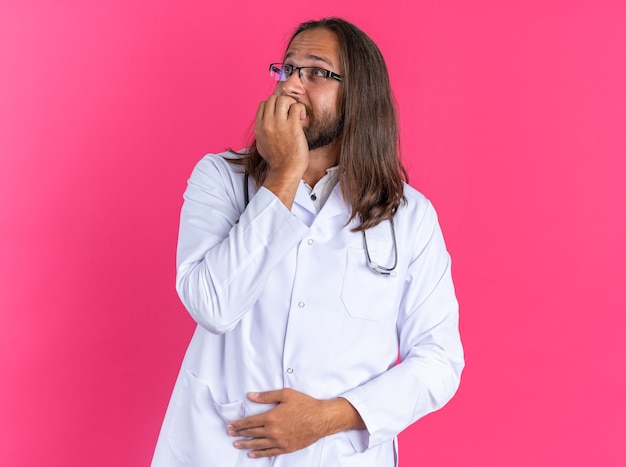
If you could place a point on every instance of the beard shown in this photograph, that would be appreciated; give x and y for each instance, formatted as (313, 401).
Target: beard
(323, 129)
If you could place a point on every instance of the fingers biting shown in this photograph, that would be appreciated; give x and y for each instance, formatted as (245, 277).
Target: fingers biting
(283, 105)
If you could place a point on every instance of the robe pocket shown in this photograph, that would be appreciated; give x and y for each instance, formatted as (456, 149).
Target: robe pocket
(197, 431)
(365, 293)
(350, 449)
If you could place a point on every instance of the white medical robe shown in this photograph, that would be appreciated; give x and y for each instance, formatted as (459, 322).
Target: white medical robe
(285, 299)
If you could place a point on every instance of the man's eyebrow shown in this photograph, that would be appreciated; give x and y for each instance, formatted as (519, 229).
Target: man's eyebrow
(312, 57)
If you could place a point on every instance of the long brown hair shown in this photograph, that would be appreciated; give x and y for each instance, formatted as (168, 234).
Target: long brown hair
(371, 174)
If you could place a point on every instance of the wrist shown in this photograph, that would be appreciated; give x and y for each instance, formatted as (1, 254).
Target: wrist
(342, 416)
(283, 185)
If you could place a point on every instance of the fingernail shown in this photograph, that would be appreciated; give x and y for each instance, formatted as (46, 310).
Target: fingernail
(237, 444)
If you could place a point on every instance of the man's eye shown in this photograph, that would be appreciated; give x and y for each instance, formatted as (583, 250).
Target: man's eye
(318, 73)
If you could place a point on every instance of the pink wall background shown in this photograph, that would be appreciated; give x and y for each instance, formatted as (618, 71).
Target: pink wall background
(513, 123)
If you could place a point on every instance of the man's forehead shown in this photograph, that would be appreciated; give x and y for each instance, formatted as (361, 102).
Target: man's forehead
(315, 45)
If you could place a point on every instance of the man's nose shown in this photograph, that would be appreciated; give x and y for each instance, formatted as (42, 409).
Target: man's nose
(293, 86)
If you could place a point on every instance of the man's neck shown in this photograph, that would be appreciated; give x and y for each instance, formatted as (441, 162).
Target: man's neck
(320, 160)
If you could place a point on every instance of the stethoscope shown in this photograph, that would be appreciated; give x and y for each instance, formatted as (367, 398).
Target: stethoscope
(377, 268)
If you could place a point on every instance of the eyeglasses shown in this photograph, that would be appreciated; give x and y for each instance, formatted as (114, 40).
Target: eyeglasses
(308, 74)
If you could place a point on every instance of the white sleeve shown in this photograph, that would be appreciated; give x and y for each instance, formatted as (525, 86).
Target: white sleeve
(431, 355)
(224, 255)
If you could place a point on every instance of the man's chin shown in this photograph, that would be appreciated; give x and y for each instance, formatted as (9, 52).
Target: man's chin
(320, 143)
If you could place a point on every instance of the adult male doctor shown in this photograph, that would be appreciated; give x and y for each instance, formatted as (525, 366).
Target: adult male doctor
(320, 281)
